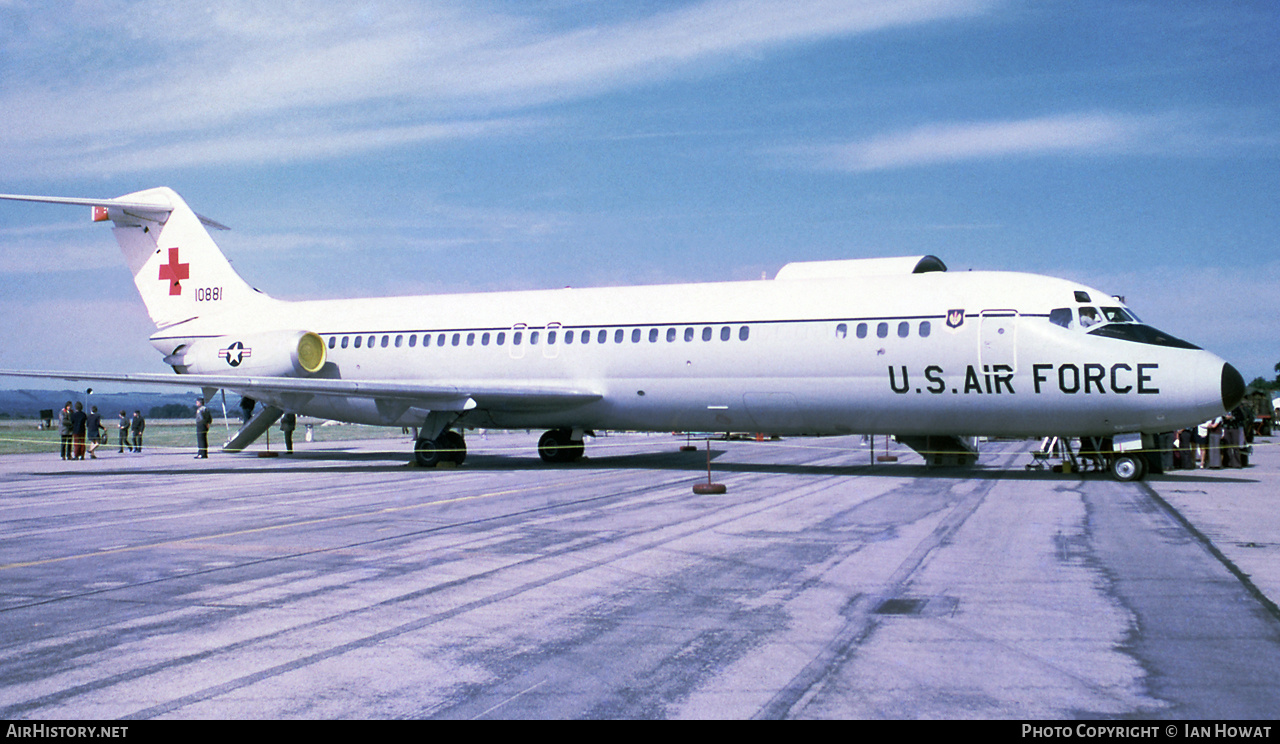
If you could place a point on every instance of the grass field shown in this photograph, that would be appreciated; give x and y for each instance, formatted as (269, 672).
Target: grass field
(23, 436)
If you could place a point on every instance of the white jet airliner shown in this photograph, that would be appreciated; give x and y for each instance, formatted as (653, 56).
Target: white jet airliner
(876, 346)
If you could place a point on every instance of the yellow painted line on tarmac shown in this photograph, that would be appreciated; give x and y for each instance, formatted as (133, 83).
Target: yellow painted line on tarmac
(303, 523)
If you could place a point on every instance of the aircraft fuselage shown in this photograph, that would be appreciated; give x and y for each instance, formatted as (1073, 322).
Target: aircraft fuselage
(873, 346)
(936, 353)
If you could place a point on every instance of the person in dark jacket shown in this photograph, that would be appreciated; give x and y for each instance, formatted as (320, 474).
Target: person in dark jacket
(65, 429)
(79, 422)
(288, 423)
(203, 419)
(123, 428)
(1233, 439)
(137, 425)
(93, 429)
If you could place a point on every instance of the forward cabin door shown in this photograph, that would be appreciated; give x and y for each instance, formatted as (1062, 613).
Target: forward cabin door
(998, 339)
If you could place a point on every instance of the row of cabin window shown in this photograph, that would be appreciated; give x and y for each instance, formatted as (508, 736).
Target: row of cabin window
(552, 336)
(882, 330)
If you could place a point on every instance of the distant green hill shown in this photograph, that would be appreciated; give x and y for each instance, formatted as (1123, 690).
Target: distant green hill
(28, 404)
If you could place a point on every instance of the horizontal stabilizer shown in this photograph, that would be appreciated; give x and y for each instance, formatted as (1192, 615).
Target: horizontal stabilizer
(157, 211)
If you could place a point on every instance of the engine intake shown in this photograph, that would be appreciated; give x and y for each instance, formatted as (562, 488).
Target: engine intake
(273, 354)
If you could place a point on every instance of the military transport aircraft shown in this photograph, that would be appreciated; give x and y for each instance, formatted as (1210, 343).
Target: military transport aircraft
(874, 346)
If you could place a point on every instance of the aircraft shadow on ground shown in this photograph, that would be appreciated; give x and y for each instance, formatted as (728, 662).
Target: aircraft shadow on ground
(364, 461)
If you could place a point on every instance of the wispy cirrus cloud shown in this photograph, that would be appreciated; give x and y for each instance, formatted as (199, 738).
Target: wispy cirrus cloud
(299, 141)
(1067, 134)
(236, 80)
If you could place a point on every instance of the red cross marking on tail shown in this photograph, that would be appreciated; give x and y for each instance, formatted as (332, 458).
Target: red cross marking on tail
(175, 272)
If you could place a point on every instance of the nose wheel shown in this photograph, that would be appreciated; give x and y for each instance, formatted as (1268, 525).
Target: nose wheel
(1126, 468)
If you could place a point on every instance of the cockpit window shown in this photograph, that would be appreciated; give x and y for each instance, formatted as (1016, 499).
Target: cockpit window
(1143, 334)
(1090, 317)
(1118, 315)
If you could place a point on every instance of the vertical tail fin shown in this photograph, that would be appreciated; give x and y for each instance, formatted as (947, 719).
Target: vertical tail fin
(178, 269)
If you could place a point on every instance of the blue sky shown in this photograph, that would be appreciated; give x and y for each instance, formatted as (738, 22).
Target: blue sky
(384, 148)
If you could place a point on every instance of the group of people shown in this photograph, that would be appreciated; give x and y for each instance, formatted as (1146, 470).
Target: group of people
(131, 431)
(73, 424)
(1219, 443)
(82, 433)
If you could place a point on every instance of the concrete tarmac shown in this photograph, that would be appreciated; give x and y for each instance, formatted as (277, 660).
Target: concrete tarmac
(340, 583)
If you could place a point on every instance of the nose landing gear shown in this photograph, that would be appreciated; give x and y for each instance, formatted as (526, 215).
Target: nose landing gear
(1128, 467)
(1124, 457)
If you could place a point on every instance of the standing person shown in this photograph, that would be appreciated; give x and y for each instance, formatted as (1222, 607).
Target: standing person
(1213, 444)
(123, 427)
(65, 429)
(94, 429)
(79, 422)
(1165, 445)
(1187, 449)
(203, 419)
(1233, 438)
(288, 423)
(137, 425)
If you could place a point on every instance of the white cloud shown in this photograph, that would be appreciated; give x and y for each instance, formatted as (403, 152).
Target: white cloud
(207, 82)
(36, 256)
(1089, 133)
(299, 143)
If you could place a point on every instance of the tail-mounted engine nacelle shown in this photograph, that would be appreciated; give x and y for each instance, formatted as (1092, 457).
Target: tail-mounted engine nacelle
(271, 354)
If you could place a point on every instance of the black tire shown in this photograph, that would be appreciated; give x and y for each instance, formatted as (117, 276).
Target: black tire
(556, 446)
(1128, 468)
(425, 453)
(452, 447)
(551, 444)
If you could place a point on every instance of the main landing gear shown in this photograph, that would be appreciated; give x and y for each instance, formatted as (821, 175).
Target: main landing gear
(559, 446)
(448, 447)
(556, 446)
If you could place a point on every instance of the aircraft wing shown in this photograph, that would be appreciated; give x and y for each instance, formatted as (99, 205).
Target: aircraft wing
(428, 394)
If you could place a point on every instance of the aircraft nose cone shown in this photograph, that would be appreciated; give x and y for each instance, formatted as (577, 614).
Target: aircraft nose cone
(1232, 387)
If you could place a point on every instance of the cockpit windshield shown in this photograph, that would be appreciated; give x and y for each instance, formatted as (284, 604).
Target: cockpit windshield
(1113, 322)
(1119, 315)
(1087, 316)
